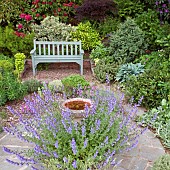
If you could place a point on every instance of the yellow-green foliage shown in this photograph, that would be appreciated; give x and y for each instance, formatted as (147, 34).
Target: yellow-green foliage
(87, 35)
(163, 163)
(19, 62)
(6, 65)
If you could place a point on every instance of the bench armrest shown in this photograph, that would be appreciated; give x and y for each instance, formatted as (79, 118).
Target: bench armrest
(33, 52)
(82, 51)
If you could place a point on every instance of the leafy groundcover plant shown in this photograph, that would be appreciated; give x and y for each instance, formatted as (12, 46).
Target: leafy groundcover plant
(161, 124)
(62, 143)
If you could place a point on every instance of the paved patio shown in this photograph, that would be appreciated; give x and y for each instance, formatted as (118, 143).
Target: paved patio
(142, 157)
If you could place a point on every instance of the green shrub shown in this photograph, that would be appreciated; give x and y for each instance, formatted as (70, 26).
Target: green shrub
(153, 84)
(149, 23)
(105, 67)
(128, 42)
(6, 65)
(157, 60)
(87, 35)
(4, 57)
(106, 27)
(51, 29)
(162, 163)
(74, 82)
(99, 52)
(164, 42)
(32, 85)
(3, 95)
(129, 69)
(10, 43)
(10, 10)
(13, 88)
(129, 8)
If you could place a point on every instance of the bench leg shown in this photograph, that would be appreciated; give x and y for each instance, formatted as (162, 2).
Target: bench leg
(33, 66)
(34, 70)
(81, 68)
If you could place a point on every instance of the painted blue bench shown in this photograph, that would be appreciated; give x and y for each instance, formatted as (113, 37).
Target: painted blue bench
(51, 52)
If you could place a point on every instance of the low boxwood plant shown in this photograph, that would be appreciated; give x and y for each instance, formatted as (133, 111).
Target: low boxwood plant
(62, 143)
(74, 82)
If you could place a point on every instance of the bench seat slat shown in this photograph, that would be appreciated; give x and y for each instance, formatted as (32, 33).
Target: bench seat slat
(58, 43)
(60, 56)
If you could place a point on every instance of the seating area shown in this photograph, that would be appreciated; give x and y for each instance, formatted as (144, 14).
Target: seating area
(51, 52)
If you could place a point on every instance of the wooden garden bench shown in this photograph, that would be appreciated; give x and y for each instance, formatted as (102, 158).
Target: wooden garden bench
(51, 52)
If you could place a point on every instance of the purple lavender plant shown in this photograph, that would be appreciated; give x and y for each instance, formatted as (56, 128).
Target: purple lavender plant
(61, 142)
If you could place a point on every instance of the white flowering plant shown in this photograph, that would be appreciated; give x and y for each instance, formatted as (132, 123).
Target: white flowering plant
(51, 29)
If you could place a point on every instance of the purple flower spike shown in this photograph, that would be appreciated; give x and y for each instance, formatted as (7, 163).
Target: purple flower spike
(55, 154)
(95, 154)
(33, 168)
(97, 124)
(12, 162)
(73, 146)
(74, 164)
(92, 130)
(106, 140)
(83, 129)
(56, 144)
(8, 150)
(85, 143)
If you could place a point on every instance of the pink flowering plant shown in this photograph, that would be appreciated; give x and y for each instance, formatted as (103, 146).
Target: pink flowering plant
(34, 11)
(62, 143)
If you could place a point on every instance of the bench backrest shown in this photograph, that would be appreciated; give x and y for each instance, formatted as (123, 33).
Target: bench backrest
(57, 48)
